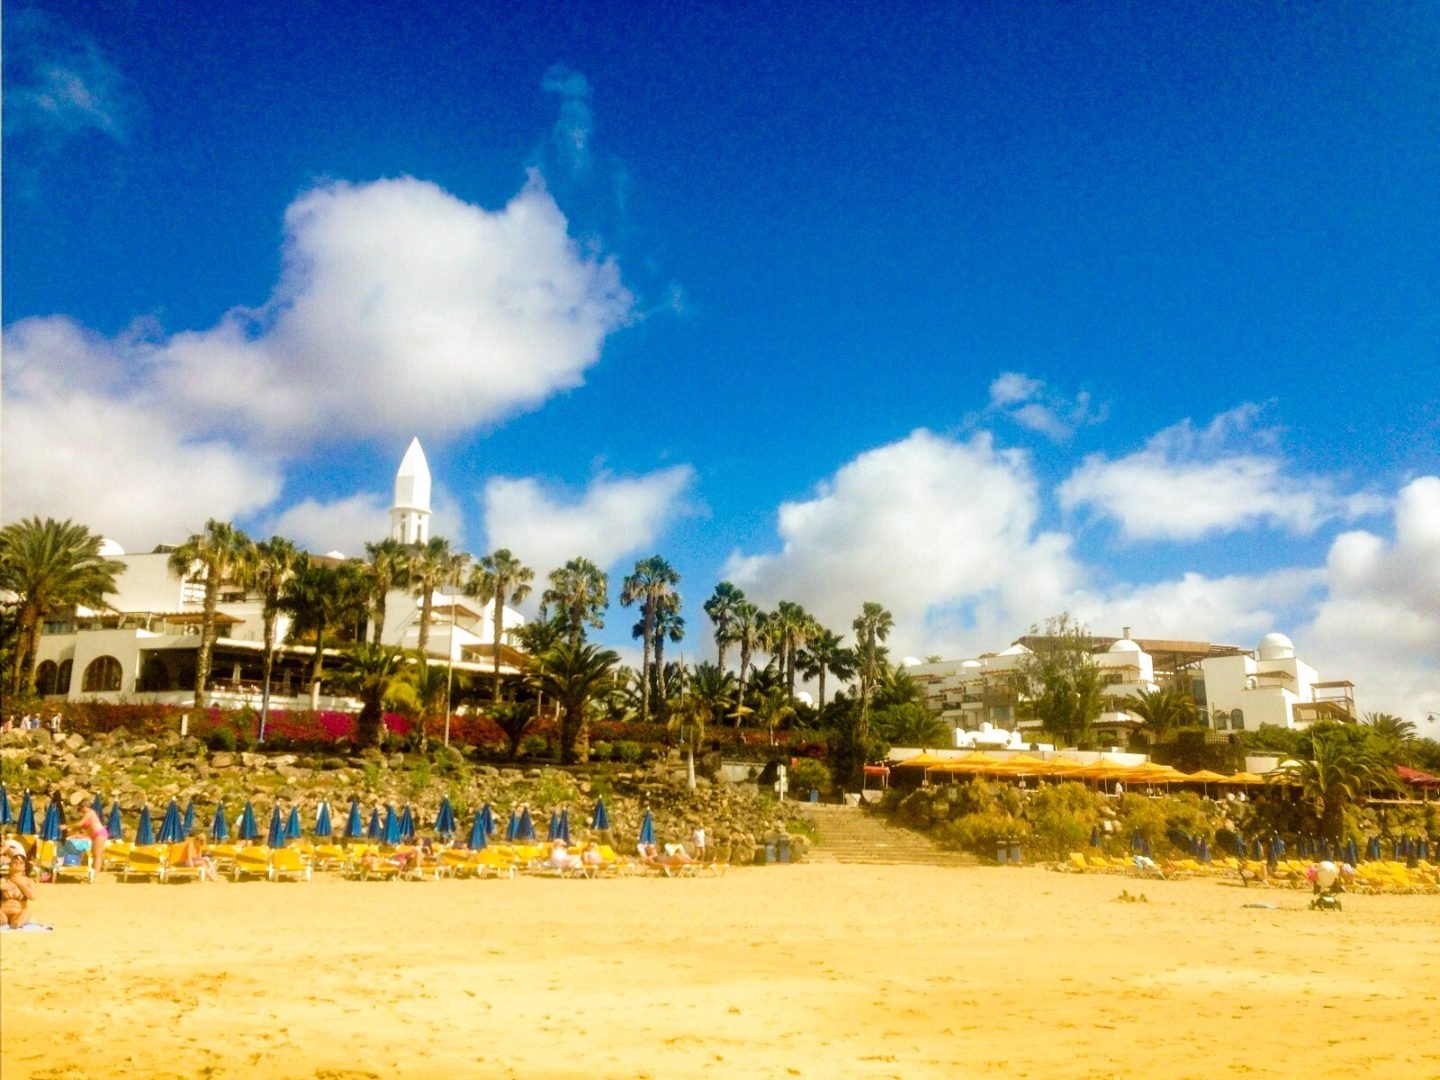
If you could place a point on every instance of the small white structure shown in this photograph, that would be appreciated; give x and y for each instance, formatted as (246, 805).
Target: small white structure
(410, 514)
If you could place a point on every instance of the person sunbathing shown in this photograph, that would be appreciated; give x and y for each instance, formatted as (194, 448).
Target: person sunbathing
(561, 859)
(16, 891)
(192, 853)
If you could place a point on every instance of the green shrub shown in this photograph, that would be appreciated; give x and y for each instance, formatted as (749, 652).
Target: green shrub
(981, 833)
(221, 739)
(806, 775)
(534, 746)
(601, 751)
(1062, 817)
(628, 752)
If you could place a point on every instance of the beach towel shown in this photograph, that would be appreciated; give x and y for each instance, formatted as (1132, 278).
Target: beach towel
(33, 927)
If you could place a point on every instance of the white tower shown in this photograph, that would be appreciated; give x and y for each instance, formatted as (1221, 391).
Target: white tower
(410, 516)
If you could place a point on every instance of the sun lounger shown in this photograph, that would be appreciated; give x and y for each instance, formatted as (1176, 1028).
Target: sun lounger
(174, 871)
(115, 852)
(251, 862)
(329, 857)
(81, 871)
(288, 862)
(144, 861)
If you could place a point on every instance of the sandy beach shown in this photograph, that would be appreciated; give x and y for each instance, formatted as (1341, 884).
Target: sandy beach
(817, 970)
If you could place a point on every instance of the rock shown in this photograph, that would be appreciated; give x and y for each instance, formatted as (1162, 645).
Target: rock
(332, 763)
(396, 761)
(222, 760)
(74, 740)
(76, 798)
(252, 761)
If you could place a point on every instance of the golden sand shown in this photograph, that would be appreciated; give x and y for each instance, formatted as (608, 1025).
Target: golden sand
(808, 971)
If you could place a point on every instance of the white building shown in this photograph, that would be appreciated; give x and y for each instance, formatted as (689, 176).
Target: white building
(144, 647)
(1234, 690)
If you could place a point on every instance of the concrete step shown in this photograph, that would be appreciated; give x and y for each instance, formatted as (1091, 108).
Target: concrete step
(847, 834)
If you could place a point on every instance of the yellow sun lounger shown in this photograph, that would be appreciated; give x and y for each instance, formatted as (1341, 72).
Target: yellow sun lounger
(144, 861)
(251, 862)
(81, 871)
(290, 863)
(176, 872)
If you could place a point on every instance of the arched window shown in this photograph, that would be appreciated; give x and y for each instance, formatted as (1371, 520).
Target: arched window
(62, 679)
(45, 676)
(102, 674)
(1222, 720)
(1237, 719)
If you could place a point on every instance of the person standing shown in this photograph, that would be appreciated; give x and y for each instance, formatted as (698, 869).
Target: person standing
(92, 827)
(697, 841)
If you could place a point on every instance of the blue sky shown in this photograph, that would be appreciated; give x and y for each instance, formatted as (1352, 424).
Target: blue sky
(983, 312)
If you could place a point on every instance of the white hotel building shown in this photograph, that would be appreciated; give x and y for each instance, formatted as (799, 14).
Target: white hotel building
(143, 647)
(1234, 689)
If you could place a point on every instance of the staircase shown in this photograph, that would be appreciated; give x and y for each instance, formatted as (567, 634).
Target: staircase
(848, 834)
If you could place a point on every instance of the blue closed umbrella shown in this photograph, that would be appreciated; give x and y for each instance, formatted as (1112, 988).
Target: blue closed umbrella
(114, 826)
(1145, 847)
(391, 833)
(354, 828)
(188, 825)
(219, 828)
(1423, 852)
(373, 830)
(488, 816)
(407, 824)
(562, 830)
(293, 831)
(478, 840)
(1279, 845)
(1095, 836)
(6, 817)
(275, 834)
(1204, 850)
(647, 828)
(322, 821)
(599, 818)
(144, 831)
(1137, 845)
(25, 823)
(1352, 852)
(512, 828)
(52, 827)
(445, 819)
(527, 826)
(170, 825)
(552, 830)
(98, 805)
(249, 829)
(1257, 849)
(1239, 846)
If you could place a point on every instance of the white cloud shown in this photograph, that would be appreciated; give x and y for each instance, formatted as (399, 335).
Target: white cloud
(1382, 611)
(403, 309)
(611, 519)
(1187, 484)
(81, 444)
(571, 136)
(928, 526)
(58, 83)
(1027, 403)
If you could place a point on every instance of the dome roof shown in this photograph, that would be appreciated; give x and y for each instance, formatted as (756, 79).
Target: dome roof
(1014, 650)
(971, 664)
(109, 548)
(910, 661)
(1124, 645)
(1276, 647)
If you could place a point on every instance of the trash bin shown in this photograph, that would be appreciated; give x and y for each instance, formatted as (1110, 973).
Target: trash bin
(784, 849)
(814, 795)
(1002, 852)
(769, 851)
(1015, 852)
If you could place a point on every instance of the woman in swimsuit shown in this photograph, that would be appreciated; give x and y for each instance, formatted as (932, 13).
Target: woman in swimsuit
(91, 826)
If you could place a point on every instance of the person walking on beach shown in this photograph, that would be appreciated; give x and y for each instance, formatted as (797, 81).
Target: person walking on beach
(697, 841)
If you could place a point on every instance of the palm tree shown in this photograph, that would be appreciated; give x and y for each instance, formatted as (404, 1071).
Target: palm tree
(772, 708)
(321, 599)
(387, 570)
(746, 629)
(215, 554)
(433, 566)
(580, 591)
(1390, 728)
(269, 564)
(872, 626)
(372, 672)
(1340, 770)
(789, 627)
(500, 579)
(423, 690)
(573, 676)
(823, 654)
(1164, 709)
(653, 580)
(721, 607)
(669, 625)
(48, 564)
(704, 697)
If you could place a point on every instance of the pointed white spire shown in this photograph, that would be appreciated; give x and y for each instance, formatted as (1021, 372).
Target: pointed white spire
(410, 515)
